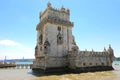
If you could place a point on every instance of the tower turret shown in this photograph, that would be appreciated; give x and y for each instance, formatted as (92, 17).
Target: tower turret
(104, 49)
(110, 50)
(48, 4)
(111, 53)
(62, 8)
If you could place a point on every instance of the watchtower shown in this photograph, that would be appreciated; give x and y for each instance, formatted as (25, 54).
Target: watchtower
(54, 38)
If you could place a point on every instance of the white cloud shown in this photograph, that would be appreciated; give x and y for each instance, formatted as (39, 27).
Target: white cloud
(9, 43)
(13, 49)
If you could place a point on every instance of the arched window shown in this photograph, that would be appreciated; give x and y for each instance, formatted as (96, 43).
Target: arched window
(59, 28)
(36, 51)
(107, 63)
(84, 64)
(59, 38)
(96, 64)
(90, 63)
(46, 47)
(102, 64)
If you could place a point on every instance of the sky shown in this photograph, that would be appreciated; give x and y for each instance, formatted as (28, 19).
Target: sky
(96, 25)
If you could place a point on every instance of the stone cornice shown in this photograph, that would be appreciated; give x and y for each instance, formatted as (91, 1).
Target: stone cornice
(54, 20)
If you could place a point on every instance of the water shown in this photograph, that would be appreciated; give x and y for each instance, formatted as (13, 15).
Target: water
(26, 74)
(24, 62)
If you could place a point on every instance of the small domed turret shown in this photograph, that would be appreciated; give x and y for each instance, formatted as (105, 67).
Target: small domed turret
(110, 50)
(92, 50)
(68, 11)
(104, 49)
(86, 50)
(62, 8)
(48, 4)
(111, 53)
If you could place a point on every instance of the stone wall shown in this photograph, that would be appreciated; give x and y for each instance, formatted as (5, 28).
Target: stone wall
(79, 59)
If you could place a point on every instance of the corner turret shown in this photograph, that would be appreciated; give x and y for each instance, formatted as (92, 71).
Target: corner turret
(62, 9)
(104, 49)
(48, 5)
(110, 50)
(111, 53)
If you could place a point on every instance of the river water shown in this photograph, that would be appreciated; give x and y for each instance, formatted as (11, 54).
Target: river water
(26, 74)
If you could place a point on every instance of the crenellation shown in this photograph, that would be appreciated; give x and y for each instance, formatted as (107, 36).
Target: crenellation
(62, 13)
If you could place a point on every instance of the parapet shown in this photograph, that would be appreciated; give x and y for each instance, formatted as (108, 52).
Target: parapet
(63, 13)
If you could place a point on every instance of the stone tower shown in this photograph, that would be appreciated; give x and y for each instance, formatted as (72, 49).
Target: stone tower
(56, 50)
(54, 38)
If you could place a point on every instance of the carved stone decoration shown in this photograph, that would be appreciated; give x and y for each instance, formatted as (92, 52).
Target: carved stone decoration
(46, 47)
(75, 50)
(40, 39)
(36, 48)
(59, 38)
(74, 43)
(41, 48)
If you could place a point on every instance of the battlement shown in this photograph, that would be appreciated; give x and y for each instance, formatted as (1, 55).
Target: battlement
(62, 13)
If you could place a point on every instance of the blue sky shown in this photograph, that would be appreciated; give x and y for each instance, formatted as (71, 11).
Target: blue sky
(96, 25)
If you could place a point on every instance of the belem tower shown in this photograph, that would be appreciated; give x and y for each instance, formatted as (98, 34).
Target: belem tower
(56, 49)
